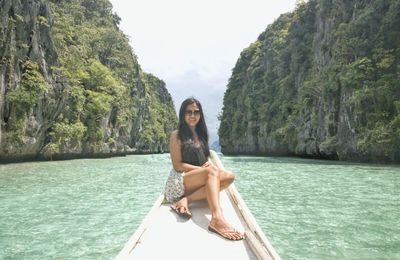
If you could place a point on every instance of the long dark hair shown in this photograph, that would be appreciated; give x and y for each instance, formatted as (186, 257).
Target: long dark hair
(184, 132)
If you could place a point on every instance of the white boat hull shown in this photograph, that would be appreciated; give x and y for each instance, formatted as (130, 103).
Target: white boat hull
(164, 235)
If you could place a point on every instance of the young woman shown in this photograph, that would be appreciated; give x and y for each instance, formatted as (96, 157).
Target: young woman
(193, 176)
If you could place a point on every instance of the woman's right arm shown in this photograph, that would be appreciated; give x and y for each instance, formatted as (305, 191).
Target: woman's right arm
(176, 156)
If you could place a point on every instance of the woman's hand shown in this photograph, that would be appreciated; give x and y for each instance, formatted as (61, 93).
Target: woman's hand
(206, 164)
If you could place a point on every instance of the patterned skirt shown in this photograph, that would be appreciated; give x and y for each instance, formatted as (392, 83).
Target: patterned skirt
(174, 188)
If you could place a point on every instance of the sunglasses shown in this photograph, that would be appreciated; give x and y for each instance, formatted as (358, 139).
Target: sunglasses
(192, 113)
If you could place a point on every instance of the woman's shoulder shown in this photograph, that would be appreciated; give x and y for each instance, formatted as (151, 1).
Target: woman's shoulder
(174, 133)
(174, 136)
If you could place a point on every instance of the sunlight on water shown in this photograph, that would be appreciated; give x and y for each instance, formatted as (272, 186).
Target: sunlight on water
(308, 209)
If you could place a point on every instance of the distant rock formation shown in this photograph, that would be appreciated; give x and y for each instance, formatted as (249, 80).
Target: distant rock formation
(215, 146)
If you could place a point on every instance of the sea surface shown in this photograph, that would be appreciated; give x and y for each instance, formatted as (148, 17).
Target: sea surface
(308, 209)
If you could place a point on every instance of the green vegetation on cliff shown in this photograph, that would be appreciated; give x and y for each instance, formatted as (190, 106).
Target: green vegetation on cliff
(80, 64)
(322, 81)
(105, 75)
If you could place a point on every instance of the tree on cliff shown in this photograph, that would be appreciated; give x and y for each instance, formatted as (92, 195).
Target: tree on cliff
(322, 81)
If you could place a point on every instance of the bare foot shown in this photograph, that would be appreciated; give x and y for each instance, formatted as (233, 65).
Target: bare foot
(224, 229)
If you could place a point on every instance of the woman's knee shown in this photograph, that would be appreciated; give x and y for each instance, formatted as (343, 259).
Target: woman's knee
(213, 172)
(227, 177)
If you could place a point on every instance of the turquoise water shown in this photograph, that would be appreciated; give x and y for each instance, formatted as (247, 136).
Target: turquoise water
(313, 209)
(88, 209)
(76, 209)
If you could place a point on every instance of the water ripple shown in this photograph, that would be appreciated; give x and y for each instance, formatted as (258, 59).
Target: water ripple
(314, 209)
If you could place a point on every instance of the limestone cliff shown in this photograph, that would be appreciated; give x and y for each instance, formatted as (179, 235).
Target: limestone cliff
(322, 82)
(71, 86)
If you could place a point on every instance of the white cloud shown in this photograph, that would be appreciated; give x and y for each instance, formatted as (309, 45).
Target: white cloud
(193, 45)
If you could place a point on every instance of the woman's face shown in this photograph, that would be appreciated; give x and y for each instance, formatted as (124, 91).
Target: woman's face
(192, 115)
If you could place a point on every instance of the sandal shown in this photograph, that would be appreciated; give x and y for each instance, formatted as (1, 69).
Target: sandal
(223, 234)
(186, 214)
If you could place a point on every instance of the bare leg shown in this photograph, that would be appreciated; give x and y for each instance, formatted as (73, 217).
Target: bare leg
(225, 177)
(200, 194)
(209, 178)
(218, 221)
(212, 193)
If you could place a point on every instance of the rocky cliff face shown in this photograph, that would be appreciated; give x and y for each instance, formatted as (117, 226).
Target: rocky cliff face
(320, 82)
(63, 95)
(24, 39)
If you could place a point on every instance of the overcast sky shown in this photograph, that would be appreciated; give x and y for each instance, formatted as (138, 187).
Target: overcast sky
(194, 45)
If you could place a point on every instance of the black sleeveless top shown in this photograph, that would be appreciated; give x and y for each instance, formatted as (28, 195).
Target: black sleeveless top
(193, 153)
